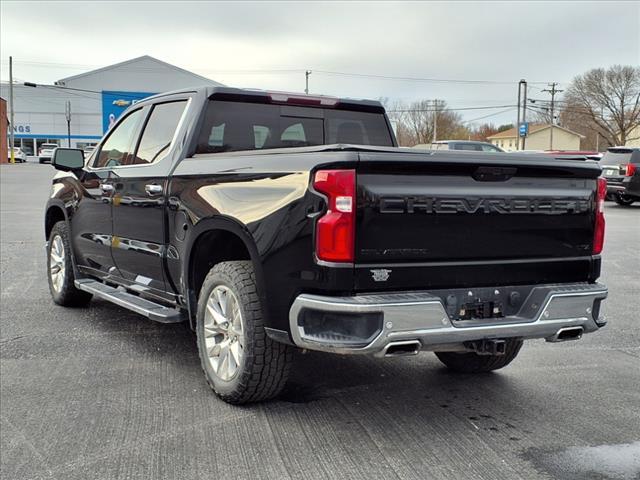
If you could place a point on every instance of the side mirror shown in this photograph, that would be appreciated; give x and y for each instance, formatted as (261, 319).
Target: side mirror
(68, 159)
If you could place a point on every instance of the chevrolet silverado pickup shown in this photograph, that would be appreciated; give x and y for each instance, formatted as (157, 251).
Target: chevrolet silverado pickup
(271, 221)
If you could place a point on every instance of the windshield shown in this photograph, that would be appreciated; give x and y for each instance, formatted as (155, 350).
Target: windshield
(232, 126)
(617, 157)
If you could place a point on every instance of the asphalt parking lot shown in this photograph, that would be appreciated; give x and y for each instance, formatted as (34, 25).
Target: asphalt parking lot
(101, 393)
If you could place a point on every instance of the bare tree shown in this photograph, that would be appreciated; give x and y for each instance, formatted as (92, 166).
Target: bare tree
(414, 123)
(609, 99)
(483, 131)
(573, 118)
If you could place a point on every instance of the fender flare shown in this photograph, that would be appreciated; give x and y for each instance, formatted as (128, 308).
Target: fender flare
(59, 204)
(55, 203)
(230, 225)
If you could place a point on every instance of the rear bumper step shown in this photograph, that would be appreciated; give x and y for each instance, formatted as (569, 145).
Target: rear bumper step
(404, 323)
(151, 310)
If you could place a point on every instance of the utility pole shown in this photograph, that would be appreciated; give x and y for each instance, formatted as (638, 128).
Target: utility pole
(435, 121)
(524, 112)
(518, 120)
(306, 81)
(553, 93)
(67, 114)
(11, 106)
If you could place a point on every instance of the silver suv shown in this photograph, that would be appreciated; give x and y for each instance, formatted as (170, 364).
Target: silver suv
(470, 145)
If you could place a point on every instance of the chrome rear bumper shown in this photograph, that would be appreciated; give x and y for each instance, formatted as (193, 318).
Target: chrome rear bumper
(422, 316)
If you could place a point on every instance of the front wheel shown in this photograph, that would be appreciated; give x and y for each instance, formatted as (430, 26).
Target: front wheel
(623, 200)
(240, 362)
(471, 362)
(60, 269)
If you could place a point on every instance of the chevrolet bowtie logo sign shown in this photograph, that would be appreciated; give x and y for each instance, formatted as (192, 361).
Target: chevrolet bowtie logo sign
(121, 103)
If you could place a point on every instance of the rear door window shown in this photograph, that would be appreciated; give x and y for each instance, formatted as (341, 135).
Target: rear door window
(467, 146)
(489, 148)
(158, 132)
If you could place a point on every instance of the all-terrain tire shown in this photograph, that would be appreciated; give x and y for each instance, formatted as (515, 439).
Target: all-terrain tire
(63, 292)
(471, 362)
(264, 364)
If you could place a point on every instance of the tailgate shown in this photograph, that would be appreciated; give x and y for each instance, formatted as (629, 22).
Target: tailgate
(495, 219)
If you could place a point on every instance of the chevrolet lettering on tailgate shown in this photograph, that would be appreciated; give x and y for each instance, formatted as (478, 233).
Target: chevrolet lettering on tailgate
(482, 205)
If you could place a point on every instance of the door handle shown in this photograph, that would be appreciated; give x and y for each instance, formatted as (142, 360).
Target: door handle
(153, 189)
(106, 187)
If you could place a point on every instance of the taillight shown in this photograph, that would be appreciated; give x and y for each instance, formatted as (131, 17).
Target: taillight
(598, 232)
(335, 230)
(630, 169)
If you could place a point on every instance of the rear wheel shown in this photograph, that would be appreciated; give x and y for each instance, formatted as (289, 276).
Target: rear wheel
(623, 200)
(241, 363)
(471, 362)
(60, 269)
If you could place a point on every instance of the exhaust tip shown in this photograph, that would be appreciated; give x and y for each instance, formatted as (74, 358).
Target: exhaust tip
(567, 333)
(402, 349)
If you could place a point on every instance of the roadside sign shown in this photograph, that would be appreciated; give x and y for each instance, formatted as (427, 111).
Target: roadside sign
(524, 129)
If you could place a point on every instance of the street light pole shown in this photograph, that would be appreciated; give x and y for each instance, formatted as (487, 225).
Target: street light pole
(12, 107)
(306, 81)
(67, 114)
(522, 94)
(67, 110)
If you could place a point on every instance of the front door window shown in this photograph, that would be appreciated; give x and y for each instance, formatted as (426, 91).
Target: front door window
(119, 146)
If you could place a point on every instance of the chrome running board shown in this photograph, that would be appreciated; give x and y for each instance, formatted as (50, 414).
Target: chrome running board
(151, 310)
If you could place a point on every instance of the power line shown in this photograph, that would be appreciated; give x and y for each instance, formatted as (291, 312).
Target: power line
(292, 71)
(490, 115)
(422, 79)
(71, 90)
(411, 110)
(156, 70)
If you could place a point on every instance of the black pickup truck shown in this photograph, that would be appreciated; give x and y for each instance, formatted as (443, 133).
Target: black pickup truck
(270, 221)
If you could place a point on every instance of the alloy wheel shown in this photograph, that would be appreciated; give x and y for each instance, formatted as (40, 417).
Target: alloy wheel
(223, 333)
(56, 263)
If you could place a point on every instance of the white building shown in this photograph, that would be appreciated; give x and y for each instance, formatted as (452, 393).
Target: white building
(96, 99)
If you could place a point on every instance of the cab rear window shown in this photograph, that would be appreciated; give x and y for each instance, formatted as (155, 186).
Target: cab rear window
(233, 126)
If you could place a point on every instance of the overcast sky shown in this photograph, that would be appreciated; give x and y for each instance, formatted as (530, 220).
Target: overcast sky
(270, 44)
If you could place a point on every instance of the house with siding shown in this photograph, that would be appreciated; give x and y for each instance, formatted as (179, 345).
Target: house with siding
(539, 138)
